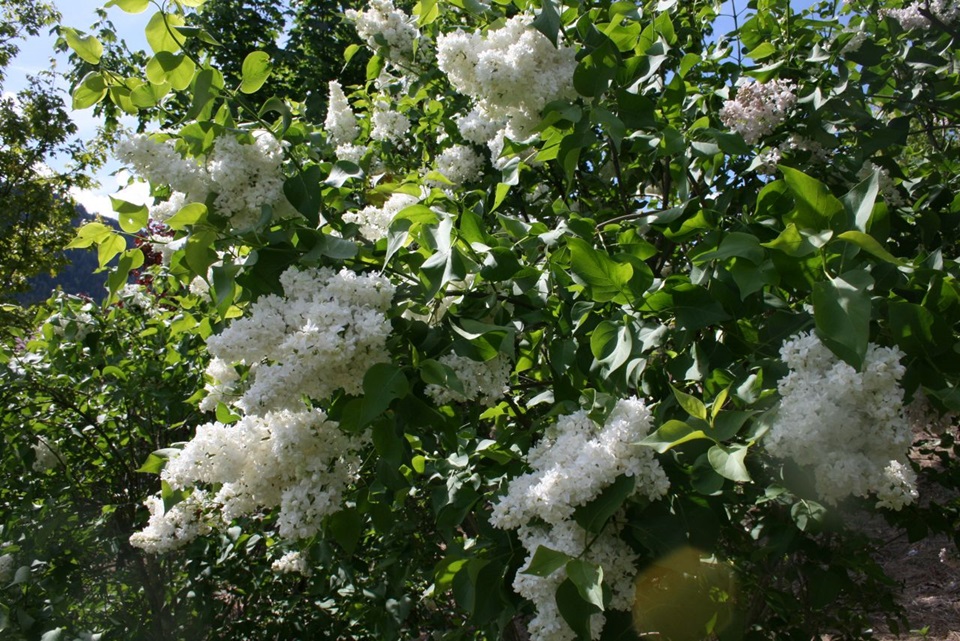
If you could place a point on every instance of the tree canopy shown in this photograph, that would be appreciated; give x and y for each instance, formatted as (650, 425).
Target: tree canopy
(565, 320)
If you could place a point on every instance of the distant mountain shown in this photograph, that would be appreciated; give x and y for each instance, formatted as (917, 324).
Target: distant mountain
(76, 277)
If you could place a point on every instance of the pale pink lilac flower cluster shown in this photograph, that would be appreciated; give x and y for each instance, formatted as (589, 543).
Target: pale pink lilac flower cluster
(381, 23)
(571, 466)
(340, 123)
(322, 335)
(909, 17)
(848, 426)
(511, 73)
(375, 221)
(484, 382)
(758, 108)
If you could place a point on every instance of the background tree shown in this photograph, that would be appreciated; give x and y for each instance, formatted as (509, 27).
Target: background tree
(37, 211)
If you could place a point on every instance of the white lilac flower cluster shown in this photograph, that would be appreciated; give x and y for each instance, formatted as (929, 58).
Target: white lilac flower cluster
(244, 177)
(888, 188)
(292, 563)
(296, 461)
(322, 335)
(340, 123)
(350, 153)
(460, 164)
(173, 528)
(909, 17)
(82, 322)
(46, 455)
(381, 24)
(374, 221)
(160, 164)
(571, 466)
(389, 125)
(849, 426)
(484, 382)
(758, 108)
(8, 567)
(511, 73)
(136, 297)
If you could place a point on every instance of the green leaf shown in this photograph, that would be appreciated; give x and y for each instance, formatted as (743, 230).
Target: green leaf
(547, 21)
(761, 51)
(606, 279)
(502, 190)
(91, 90)
(158, 32)
(109, 247)
(841, 310)
(594, 515)
(816, 207)
(331, 247)
(870, 245)
(382, 383)
(918, 331)
(170, 496)
(87, 47)
(546, 561)
(130, 259)
(575, 610)
(734, 244)
(792, 243)
(588, 577)
(175, 68)
(345, 527)
(255, 71)
(671, 434)
(690, 404)
(594, 74)
(157, 460)
(89, 234)
(130, 6)
(148, 95)
(427, 11)
(860, 200)
(189, 214)
(728, 462)
(274, 104)
(341, 172)
(808, 515)
(611, 344)
(132, 217)
(198, 252)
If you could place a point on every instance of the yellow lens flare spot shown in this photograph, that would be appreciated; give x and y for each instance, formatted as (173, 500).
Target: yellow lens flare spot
(686, 595)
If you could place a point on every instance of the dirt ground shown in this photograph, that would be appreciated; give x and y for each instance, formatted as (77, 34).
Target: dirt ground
(929, 571)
